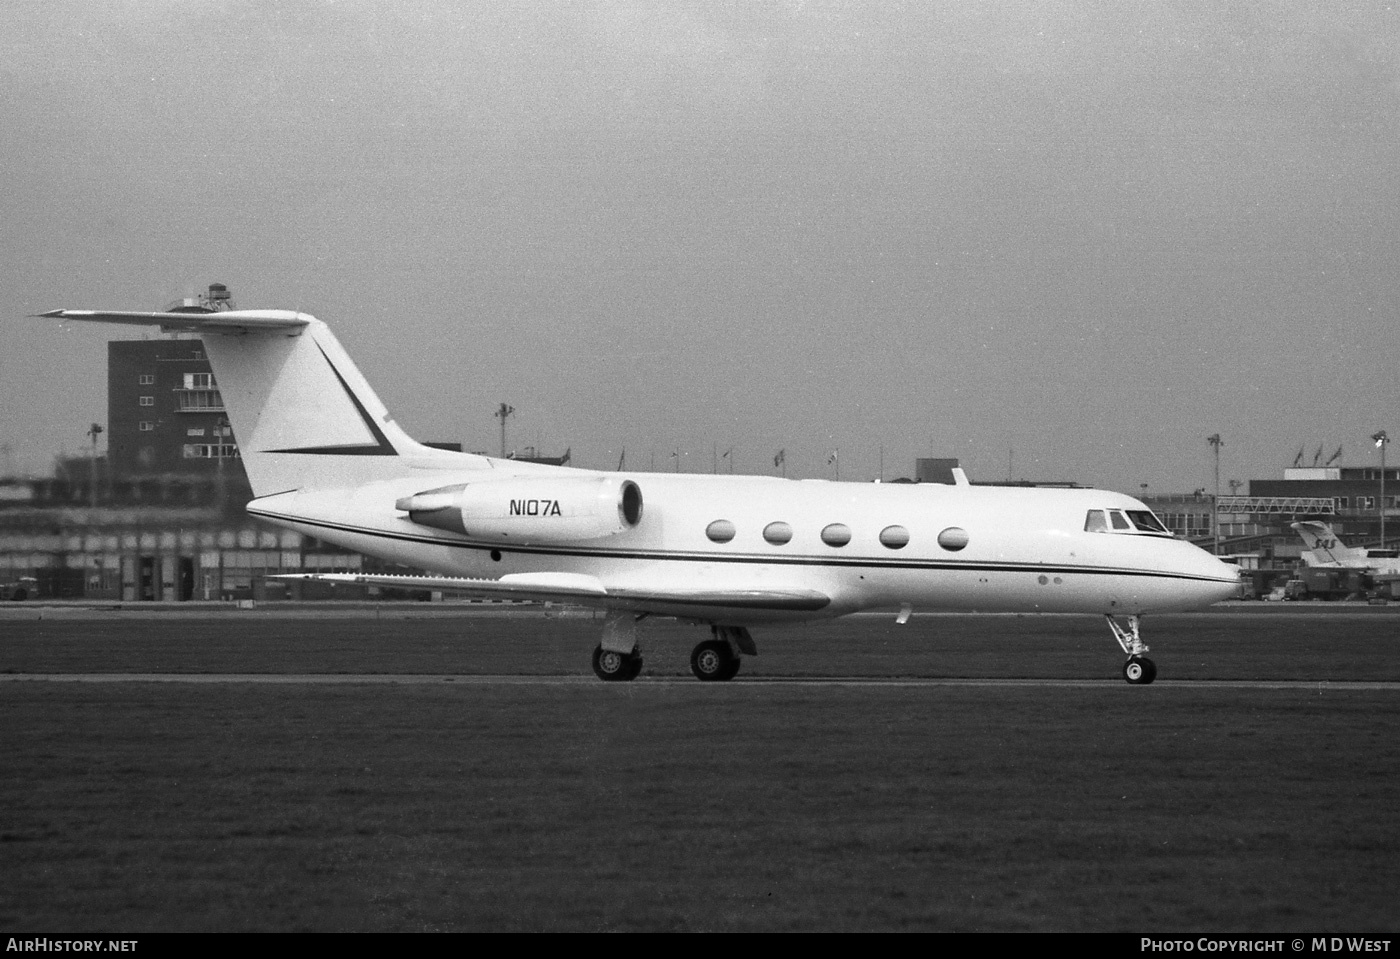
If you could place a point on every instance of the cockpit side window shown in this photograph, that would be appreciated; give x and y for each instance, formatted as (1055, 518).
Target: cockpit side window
(1119, 520)
(1095, 522)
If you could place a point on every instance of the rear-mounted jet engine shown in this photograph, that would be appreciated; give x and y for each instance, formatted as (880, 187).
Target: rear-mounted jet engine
(530, 510)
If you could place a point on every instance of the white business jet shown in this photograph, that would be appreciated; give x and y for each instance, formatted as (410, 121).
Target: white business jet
(729, 552)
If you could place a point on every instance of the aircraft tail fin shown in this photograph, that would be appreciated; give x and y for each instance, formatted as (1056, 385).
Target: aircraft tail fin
(302, 413)
(1325, 545)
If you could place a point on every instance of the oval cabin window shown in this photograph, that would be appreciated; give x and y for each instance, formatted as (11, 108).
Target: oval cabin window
(720, 531)
(895, 537)
(837, 534)
(952, 539)
(777, 533)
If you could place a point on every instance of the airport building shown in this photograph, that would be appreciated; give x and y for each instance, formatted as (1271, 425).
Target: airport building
(164, 412)
(166, 538)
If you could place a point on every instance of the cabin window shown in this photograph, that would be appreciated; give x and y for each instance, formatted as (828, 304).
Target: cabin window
(894, 537)
(1095, 522)
(777, 533)
(720, 531)
(837, 534)
(952, 539)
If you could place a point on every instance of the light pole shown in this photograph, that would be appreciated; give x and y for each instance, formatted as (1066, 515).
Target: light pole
(92, 464)
(502, 413)
(1381, 439)
(1216, 442)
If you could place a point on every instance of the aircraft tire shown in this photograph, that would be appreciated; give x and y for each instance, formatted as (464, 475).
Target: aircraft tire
(613, 667)
(1139, 670)
(713, 661)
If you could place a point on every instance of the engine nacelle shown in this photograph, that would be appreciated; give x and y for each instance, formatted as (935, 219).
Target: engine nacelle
(529, 509)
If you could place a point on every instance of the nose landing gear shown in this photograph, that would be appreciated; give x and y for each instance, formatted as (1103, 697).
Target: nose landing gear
(1138, 670)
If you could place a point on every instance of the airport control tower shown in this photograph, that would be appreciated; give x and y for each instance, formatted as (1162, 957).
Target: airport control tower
(164, 411)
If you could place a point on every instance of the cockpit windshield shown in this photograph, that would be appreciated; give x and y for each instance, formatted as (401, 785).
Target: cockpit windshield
(1147, 521)
(1124, 521)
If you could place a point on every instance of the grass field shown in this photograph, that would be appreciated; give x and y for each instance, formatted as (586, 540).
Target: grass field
(665, 806)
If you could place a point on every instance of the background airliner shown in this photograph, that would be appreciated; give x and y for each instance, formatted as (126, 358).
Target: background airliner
(729, 552)
(1325, 550)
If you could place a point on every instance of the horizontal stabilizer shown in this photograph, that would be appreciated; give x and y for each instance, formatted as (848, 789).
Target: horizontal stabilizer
(227, 321)
(586, 591)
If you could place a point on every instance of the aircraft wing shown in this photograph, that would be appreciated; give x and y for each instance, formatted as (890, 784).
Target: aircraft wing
(240, 321)
(584, 590)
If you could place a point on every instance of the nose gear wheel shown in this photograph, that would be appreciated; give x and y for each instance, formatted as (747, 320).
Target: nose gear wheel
(1138, 670)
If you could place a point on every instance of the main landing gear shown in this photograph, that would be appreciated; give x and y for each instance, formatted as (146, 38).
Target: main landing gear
(618, 658)
(612, 666)
(1138, 670)
(717, 658)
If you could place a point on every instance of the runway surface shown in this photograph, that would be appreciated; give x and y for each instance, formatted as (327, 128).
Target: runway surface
(381, 679)
(383, 770)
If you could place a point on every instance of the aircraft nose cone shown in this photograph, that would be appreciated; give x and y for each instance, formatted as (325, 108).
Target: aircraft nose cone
(1225, 580)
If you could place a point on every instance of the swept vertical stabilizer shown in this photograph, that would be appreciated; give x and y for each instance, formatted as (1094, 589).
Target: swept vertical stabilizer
(302, 413)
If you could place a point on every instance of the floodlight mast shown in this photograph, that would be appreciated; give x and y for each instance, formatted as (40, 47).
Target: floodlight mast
(1381, 439)
(502, 413)
(1216, 442)
(92, 433)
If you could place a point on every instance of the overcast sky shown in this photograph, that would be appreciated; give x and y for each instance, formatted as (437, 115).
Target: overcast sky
(1091, 233)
